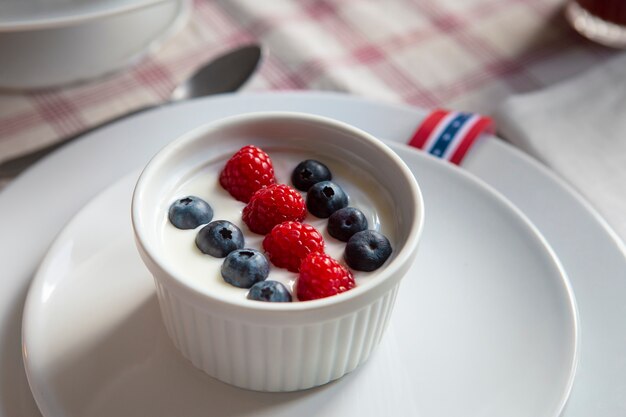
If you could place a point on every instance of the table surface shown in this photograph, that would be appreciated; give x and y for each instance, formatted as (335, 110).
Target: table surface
(466, 55)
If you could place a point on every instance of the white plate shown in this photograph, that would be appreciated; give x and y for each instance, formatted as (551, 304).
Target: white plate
(64, 55)
(20, 15)
(484, 316)
(63, 183)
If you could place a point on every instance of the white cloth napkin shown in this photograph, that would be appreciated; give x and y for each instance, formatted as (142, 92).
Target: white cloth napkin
(578, 128)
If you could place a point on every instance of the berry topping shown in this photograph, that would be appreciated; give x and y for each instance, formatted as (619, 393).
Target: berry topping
(190, 212)
(272, 291)
(219, 238)
(273, 205)
(309, 172)
(290, 242)
(367, 250)
(245, 267)
(345, 222)
(324, 198)
(247, 171)
(322, 276)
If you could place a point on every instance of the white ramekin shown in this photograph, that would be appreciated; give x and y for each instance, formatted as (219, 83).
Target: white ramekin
(276, 346)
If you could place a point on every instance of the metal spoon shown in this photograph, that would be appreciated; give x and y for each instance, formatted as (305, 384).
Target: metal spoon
(223, 74)
(226, 73)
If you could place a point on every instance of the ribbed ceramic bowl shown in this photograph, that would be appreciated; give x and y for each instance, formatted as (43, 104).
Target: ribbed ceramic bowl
(276, 346)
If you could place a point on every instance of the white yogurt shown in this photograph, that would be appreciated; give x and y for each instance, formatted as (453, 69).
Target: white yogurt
(180, 251)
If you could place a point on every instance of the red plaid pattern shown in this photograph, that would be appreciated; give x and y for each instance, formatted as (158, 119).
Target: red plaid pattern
(466, 55)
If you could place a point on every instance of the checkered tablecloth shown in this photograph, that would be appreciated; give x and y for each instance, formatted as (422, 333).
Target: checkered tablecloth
(459, 54)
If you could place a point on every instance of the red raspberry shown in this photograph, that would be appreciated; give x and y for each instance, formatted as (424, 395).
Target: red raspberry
(247, 171)
(273, 205)
(322, 276)
(290, 242)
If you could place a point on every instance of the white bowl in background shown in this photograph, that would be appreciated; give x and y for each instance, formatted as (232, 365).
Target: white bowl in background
(257, 345)
(21, 15)
(85, 48)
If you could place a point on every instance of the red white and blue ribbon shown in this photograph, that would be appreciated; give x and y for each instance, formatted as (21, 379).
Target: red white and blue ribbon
(450, 134)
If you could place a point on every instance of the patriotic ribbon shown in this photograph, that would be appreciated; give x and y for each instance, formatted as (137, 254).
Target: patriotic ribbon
(450, 134)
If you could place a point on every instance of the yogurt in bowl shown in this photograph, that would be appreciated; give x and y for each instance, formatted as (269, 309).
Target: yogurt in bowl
(179, 249)
(274, 346)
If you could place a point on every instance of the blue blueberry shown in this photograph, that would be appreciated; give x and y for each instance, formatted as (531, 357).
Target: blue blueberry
(219, 238)
(245, 267)
(272, 291)
(345, 222)
(325, 198)
(190, 212)
(309, 172)
(367, 250)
